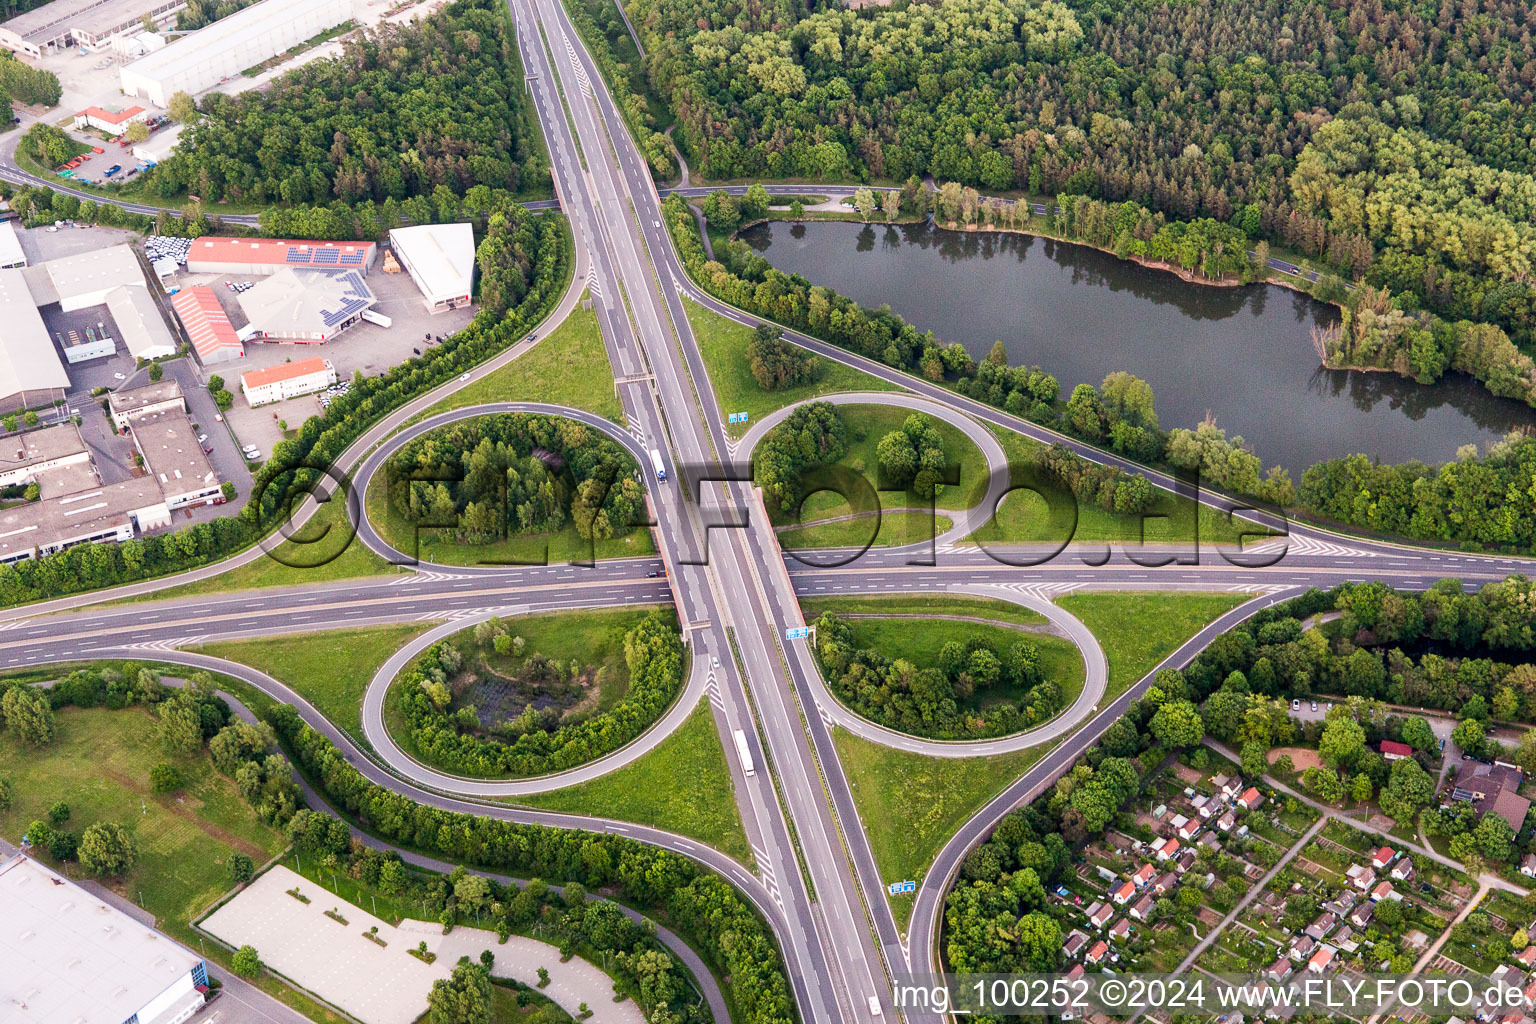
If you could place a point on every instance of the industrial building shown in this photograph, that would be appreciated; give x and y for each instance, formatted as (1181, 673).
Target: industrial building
(158, 397)
(72, 958)
(139, 323)
(230, 45)
(206, 323)
(308, 306)
(158, 147)
(113, 122)
(441, 260)
(75, 282)
(25, 457)
(90, 24)
(76, 508)
(31, 375)
(287, 380)
(255, 257)
(11, 254)
(174, 458)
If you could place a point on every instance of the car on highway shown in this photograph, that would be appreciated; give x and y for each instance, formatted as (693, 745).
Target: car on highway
(463, 376)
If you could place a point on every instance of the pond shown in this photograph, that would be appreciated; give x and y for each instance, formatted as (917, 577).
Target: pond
(1243, 355)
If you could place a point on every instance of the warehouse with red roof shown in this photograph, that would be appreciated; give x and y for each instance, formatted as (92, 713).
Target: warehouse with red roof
(254, 257)
(206, 323)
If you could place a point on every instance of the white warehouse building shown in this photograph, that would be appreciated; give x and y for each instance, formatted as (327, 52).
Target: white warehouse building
(223, 50)
(71, 957)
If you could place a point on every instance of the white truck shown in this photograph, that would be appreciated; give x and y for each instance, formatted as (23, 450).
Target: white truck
(744, 753)
(377, 318)
(658, 465)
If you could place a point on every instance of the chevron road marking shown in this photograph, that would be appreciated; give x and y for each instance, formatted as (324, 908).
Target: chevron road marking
(766, 873)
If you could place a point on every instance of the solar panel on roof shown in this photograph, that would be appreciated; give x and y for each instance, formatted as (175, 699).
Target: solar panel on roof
(354, 258)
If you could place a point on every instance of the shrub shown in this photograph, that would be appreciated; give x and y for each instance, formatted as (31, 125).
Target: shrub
(246, 962)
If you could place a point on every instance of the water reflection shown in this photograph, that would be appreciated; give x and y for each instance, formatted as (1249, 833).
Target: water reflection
(1244, 355)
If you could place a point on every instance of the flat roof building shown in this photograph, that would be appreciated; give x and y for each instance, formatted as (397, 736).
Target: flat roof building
(11, 254)
(156, 397)
(31, 373)
(24, 456)
(306, 305)
(71, 958)
(441, 260)
(174, 458)
(88, 23)
(85, 279)
(206, 323)
(257, 256)
(287, 380)
(139, 323)
(159, 146)
(230, 45)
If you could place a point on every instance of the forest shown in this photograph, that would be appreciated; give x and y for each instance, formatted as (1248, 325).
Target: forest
(403, 110)
(1485, 501)
(710, 914)
(937, 700)
(516, 473)
(532, 743)
(997, 916)
(1387, 139)
(296, 465)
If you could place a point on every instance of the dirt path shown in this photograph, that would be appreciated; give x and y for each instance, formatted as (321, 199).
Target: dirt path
(176, 807)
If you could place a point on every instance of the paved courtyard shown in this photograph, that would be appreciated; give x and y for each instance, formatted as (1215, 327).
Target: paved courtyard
(385, 984)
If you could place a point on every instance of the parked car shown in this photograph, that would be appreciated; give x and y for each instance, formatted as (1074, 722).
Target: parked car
(202, 438)
(97, 149)
(120, 376)
(1295, 705)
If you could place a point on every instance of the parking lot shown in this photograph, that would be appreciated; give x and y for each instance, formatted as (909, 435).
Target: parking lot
(113, 164)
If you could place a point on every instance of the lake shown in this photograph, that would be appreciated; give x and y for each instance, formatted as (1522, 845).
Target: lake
(1244, 355)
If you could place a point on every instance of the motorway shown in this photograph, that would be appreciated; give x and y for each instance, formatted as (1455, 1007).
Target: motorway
(815, 879)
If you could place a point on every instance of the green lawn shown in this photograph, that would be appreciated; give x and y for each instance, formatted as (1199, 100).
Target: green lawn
(568, 367)
(1139, 629)
(438, 546)
(1022, 516)
(99, 765)
(896, 528)
(325, 549)
(930, 797)
(924, 604)
(331, 669)
(919, 639)
(682, 786)
(724, 346)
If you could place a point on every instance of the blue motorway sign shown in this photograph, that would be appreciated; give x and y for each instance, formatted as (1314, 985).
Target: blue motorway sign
(797, 633)
(737, 417)
(897, 888)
